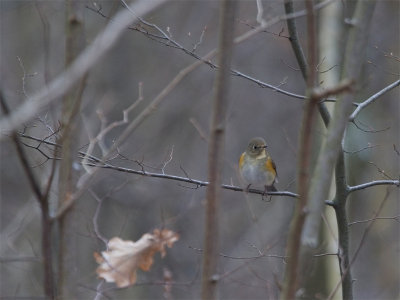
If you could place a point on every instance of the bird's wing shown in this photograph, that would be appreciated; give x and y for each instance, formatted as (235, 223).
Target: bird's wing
(270, 164)
(241, 160)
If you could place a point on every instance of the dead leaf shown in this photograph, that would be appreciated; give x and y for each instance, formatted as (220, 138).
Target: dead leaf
(119, 263)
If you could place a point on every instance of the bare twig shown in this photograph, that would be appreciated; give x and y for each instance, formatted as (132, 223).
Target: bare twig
(96, 162)
(373, 183)
(200, 39)
(361, 149)
(373, 98)
(165, 163)
(104, 41)
(261, 254)
(96, 216)
(294, 39)
(100, 136)
(89, 57)
(199, 129)
(44, 205)
(325, 254)
(197, 183)
(380, 170)
(355, 123)
(396, 218)
(167, 40)
(362, 240)
(24, 76)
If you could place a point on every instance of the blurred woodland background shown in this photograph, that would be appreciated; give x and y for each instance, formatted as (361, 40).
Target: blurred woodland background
(172, 139)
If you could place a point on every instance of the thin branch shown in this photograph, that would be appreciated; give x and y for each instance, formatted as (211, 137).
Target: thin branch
(103, 42)
(195, 182)
(165, 163)
(44, 206)
(24, 76)
(96, 162)
(325, 254)
(200, 39)
(96, 217)
(167, 40)
(272, 87)
(22, 156)
(373, 183)
(100, 136)
(85, 180)
(360, 150)
(396, 218)
(294, 39)
(86, 60)
(200, 130)
(260, 255)
(369, 130)
(380, 170)
(372, 99)
(301, 59)
(357, 251)
(46, 39)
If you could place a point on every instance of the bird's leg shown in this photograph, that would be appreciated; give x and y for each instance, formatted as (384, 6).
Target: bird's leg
(248, 188)
(266, 193)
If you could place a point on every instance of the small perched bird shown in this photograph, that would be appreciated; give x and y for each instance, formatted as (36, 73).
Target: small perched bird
(256, 166)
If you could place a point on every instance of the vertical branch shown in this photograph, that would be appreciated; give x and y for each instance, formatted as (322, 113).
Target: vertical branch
(330, 48)
(303, 165)
(216, 147)
(44, 206)
(300, 57)
(75, 43)
(294, 39)
(354, 57)
(331, 147)
(311, 46)
(342, 192)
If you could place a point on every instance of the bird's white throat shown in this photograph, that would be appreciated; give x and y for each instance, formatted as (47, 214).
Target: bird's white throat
(263, 154)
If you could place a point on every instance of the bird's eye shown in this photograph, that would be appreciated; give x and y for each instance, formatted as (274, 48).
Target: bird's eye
(255, 147)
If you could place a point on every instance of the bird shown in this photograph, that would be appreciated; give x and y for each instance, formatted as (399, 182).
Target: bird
(256, 166)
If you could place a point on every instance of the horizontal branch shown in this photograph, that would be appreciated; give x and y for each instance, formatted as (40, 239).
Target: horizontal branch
(97, 163)
(197, 183)
(103, 42)
(373, 183)
(270, 86)
(166, 39)
(371, 99)
(396, 218)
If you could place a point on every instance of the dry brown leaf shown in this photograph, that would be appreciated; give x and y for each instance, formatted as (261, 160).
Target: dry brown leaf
(119, 263)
